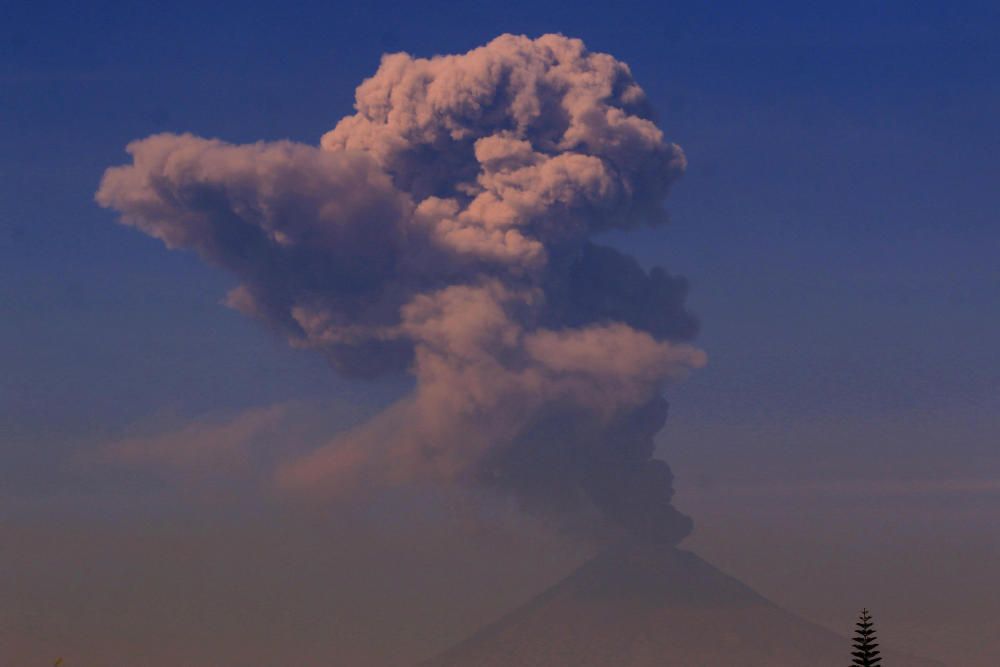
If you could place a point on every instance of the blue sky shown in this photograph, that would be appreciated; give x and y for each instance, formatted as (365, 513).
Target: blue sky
(838, 222)
(836, 218)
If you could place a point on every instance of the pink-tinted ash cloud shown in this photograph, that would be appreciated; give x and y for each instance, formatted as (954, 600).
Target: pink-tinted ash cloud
(446, 229)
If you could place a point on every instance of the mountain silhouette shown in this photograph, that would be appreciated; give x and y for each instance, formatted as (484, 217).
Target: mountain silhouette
(640, 606)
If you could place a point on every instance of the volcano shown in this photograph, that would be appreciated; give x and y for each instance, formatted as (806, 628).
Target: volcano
(636, 606)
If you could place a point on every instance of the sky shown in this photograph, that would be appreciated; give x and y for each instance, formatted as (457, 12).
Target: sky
(835, 221)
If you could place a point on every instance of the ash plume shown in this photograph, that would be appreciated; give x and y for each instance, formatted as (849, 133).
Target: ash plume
(446, 229)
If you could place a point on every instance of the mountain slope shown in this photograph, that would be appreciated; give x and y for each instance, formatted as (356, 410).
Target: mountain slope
(636, 606)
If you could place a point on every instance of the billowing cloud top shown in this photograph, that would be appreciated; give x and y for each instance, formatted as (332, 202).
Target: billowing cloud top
(445, 229)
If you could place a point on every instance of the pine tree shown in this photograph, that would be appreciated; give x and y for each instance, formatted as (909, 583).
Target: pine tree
(866, 653)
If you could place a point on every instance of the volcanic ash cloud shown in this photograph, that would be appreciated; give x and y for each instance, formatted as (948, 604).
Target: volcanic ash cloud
(445, 230)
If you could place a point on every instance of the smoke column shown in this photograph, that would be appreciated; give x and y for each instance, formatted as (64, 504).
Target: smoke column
(446, 230)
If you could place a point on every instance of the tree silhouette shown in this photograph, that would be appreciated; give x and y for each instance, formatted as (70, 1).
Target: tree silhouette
(866, 653)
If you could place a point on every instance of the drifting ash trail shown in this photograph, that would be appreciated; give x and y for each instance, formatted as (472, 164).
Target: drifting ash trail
(447, 230)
